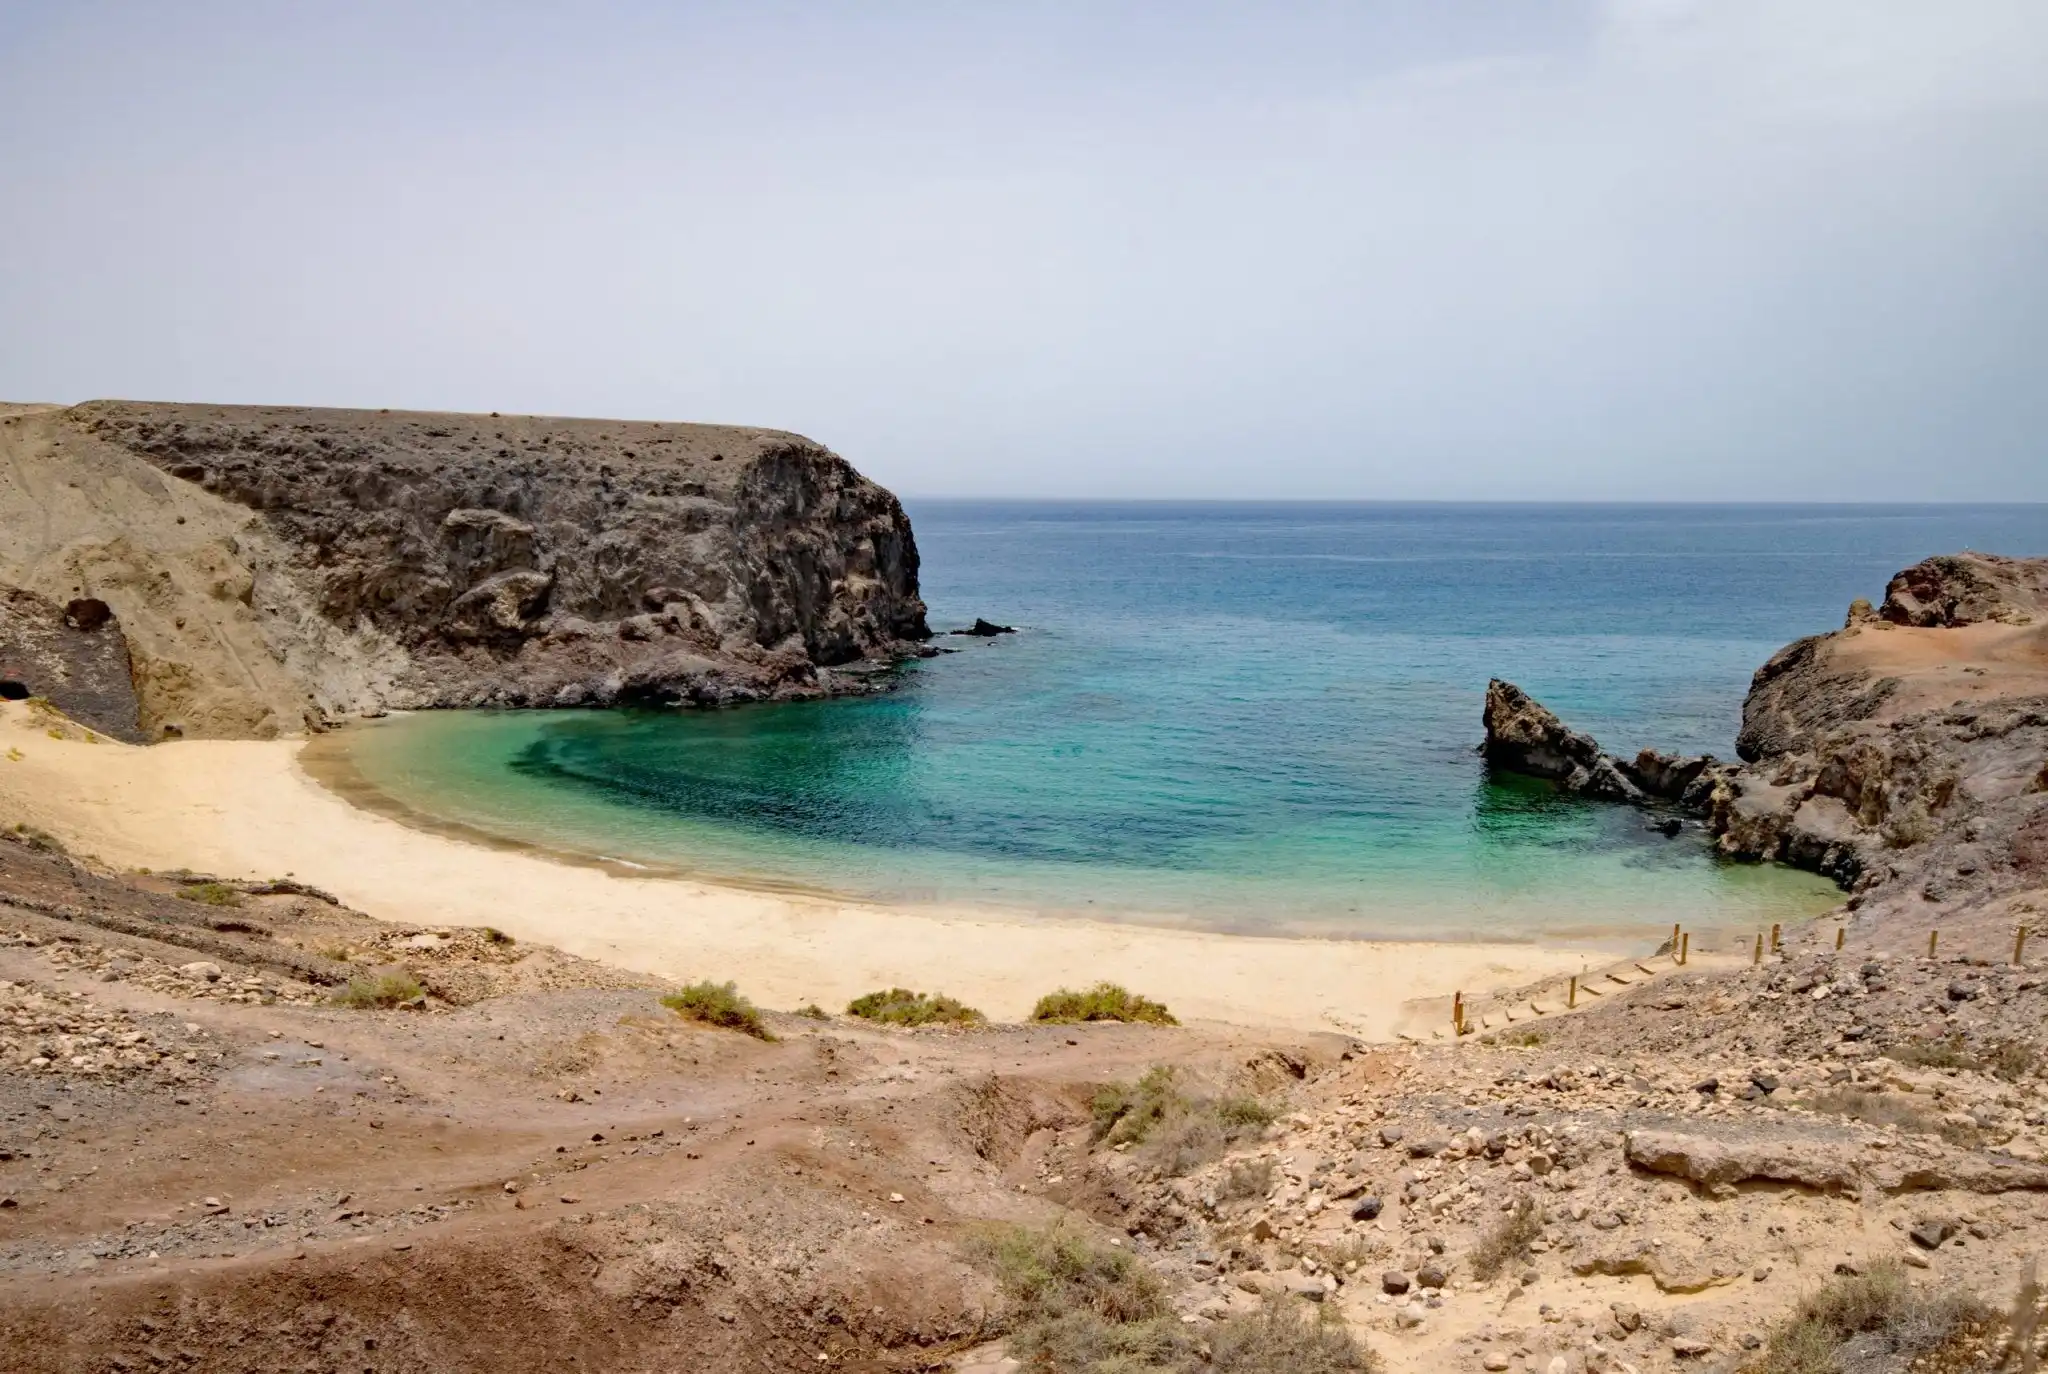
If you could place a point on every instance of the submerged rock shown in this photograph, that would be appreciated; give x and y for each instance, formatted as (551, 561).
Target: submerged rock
(986, 629)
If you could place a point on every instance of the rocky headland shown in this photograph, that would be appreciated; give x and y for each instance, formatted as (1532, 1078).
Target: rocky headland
(270, 569)
(1904, 755)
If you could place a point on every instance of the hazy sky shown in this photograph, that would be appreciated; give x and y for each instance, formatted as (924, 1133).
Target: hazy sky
(1449, 248)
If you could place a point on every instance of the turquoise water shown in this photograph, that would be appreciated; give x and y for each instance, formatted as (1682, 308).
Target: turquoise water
(1246, 717)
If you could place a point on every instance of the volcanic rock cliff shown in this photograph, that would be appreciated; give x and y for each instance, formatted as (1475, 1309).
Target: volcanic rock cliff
(274, 567)
(1905, 755)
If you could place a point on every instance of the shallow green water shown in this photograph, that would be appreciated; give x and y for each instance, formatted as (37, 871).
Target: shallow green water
(1243, 717)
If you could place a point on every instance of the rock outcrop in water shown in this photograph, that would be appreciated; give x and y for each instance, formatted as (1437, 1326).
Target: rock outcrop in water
(1904, 755)
(274, 567)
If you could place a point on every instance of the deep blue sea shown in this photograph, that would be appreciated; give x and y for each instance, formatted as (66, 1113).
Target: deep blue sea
(1257, 717)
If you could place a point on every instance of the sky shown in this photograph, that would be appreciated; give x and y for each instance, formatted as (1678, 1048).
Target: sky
(1444, 249)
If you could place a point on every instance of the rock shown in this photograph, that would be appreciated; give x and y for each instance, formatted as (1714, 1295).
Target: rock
(1391, 1135)
(1962, 991)
(75, 657)
(1431, 1275)
(1708, 1086)
(1366, 1210)
(1428, 1146)
(986, 629)
(1394, 1282)
(1710, 1160)
(1407, 1317)
(1627, 1316)
(1929, 1235)
(201, 969)
(1305, 1286)
(1494, 1360)
(1952, 590)
(1522, 736)
(1765, 1082)
(1691, 1347)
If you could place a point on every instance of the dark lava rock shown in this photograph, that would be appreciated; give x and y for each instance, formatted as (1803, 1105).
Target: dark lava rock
(1929, 1235)
(1765, 1082)
(1366, 1210)
(1707, 1085)
(74, 655)
(1667, 826)
(986, 629)
(1431, 1276)
(1394, 1282)
(1962, 992)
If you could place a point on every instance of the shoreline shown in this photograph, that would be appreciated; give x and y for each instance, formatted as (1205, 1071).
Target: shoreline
(249, 808)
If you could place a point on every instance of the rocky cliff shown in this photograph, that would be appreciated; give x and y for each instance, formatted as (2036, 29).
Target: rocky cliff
(276, 567)
(1905, 755)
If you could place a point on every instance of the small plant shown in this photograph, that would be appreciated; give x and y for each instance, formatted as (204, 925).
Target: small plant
(210, 894)
(1103, 1002)
(1508, 1239)
(340, 954)
(1873, 1321)
(372, 991)
(1517, 1040)
(813, 1012)
(718, 1004)
(1246, 1113)
(495, 936)
(902, 1007)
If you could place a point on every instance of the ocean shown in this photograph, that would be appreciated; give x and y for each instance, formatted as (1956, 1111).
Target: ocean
(1250, 717)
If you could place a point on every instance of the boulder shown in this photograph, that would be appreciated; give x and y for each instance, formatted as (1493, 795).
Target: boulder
(1523, 736)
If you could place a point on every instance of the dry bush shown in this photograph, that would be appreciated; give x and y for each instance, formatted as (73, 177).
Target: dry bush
(1507, 1239)
(902, 1007)
(1871, 1323)
(1103, 1002)
(718, 1004)
(1246, 1178)
(2010, 1060)
(41, 840)
(1076, 1307)
(1890, 1109)
(210, 894)
(370, 991)
(1181, 1131)
(1285, 1337)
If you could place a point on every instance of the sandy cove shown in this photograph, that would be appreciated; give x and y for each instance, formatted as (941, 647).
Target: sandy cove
(246, 809)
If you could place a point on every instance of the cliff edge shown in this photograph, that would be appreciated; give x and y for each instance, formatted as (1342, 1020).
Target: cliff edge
(273, 568)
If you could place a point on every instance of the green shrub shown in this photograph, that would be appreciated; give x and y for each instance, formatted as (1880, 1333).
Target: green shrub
(1869, 1321)
(813, 1012)
(718, 1004)
(495, 936)
(210, 894)
(902, 1007)
(1103, 1002)
(369, 991)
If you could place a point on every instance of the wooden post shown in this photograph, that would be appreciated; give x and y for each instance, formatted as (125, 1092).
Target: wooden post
(1759, 956)
(1841, 933)
(1776, 942)
(1684, 946)
(1457, 1013)
(1571, 998)
(1933, 938)
(2019, 946)
(1674, 939)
